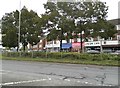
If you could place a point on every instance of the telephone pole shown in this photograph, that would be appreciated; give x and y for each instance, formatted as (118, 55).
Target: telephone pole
(19, 26)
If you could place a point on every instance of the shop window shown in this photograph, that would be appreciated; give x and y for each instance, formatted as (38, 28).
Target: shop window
(104, 42)
(55, 42)
(91, 43)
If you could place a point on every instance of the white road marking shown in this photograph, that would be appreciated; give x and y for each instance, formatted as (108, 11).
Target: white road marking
(4, 72)
(90, 83)
(44, 79)
(1, 70)
(49, 78)
(19, 82)
(86, 82)
(61, 78)
(67, 79)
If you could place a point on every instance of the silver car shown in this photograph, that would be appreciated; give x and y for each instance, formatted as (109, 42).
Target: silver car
(93, 52)
(116, 52)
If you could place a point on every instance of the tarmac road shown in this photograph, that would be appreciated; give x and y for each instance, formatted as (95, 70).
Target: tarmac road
(27, 73)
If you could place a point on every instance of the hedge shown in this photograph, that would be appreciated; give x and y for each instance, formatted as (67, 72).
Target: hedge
(64, 55)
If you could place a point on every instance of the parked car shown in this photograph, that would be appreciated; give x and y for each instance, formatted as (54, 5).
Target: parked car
(107, 51)
(116, 52)
(93, 52)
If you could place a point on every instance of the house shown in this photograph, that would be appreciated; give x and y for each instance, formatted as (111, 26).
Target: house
(105, 44)
(109, 44)
(39, 46)
(54, 46)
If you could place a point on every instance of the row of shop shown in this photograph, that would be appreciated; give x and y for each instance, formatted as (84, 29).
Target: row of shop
(76, 46)
(65, 47)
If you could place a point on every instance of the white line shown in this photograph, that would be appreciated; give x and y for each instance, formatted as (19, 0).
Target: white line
(67, 80)
(49, 78)
(2, 73)
(5, 71)
(86, 82)
(19, 82)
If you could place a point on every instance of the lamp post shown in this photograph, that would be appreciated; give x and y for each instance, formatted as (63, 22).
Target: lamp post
(19, 26)
(101, 48)
(61, 32)
(81, 38)
(38, 43)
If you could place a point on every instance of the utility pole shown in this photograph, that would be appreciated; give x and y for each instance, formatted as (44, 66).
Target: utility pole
(81, 37)
(81, 41)
(61, 32)
(101, 48)
(19, 26)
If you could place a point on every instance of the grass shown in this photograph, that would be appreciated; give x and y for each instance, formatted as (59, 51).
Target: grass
(0, 55)
(65, 60)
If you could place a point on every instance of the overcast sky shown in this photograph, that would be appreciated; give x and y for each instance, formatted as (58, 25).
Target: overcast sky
(7, 6)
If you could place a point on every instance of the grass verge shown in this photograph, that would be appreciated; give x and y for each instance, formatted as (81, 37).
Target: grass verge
(65, 60)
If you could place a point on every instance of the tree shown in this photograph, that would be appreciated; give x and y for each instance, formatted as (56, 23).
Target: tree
(30, 28)
(57, 20)
(104, 29)
(85, 16)
(9, 31)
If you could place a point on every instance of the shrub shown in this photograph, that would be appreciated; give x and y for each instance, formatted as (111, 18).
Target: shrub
(64, 55)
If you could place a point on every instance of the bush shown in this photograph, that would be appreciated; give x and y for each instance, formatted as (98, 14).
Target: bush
(64, 55)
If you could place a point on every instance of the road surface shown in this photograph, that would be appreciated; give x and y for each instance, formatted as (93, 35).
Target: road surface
(28, 73)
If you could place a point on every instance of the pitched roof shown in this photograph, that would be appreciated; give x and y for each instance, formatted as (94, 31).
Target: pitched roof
(115, 21)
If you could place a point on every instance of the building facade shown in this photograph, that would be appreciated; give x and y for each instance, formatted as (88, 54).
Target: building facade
(92, 44)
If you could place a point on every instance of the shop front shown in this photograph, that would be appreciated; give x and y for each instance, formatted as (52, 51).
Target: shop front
(76, 46)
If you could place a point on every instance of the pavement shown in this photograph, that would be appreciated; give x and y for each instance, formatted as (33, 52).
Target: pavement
(28, 73)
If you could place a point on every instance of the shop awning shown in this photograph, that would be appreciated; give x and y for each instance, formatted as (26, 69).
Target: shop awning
(66, 45)
(77, 44)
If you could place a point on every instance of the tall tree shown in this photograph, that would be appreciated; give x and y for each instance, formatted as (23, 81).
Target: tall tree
(85, 16)
(30, 27)
(58, 22)
(9, 31)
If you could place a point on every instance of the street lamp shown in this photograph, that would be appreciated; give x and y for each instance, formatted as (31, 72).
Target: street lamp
(19, 26)
(81, 38)
(101, 48)
(38, 42)
(61, 32)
